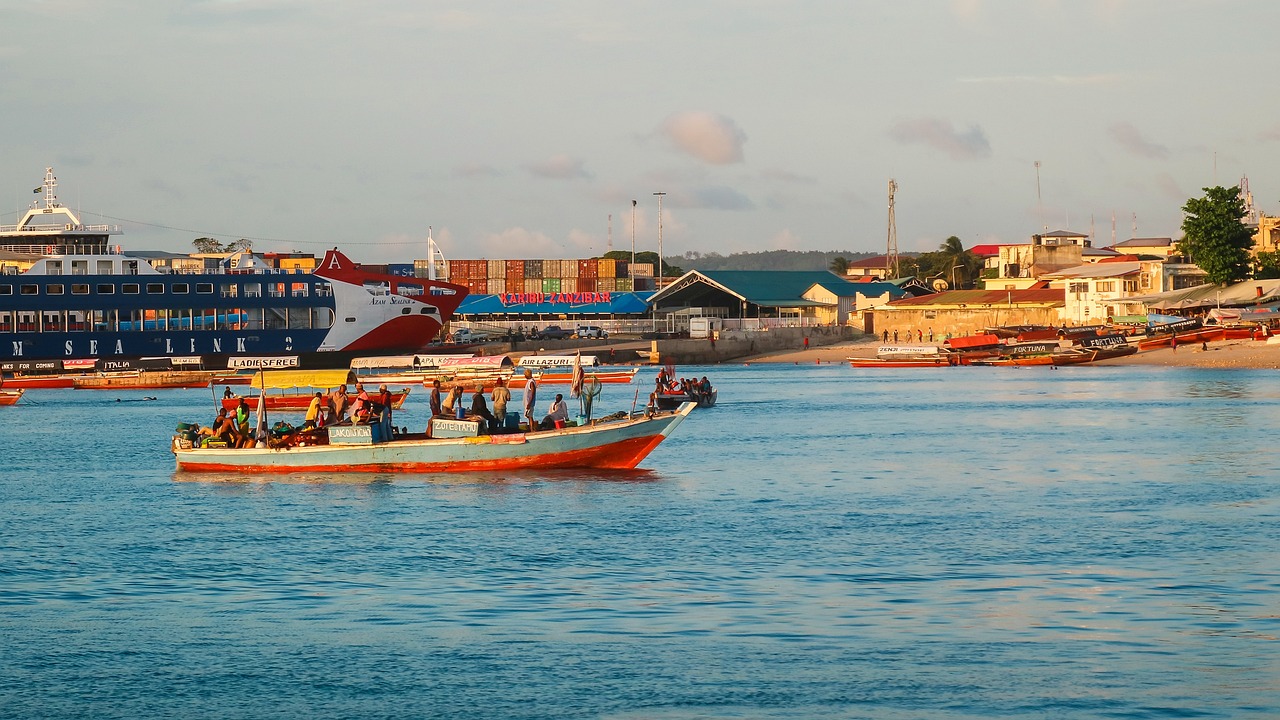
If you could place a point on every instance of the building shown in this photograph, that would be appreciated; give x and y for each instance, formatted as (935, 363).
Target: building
(1096, 292)
(969, 312)
(760, 299)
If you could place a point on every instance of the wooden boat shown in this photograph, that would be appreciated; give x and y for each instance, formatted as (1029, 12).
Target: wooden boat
(902, 362)
(142, 380)
(672, 401)
(615, 444)
(1015, 360)
(10, 397)
(621, 377)
(40, 381)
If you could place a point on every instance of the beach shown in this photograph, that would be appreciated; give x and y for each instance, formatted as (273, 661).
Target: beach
(1245, 354)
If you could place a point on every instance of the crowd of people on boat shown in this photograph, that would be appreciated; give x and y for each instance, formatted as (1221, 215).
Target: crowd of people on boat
(236, 430)
(494, 421)
(667, 384)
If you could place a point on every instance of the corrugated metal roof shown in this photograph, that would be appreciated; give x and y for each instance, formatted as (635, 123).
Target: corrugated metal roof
(1097, 270)
(777, 288)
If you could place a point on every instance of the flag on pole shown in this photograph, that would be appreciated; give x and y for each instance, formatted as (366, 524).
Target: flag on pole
(575, 389)
(261, 433)
(38, 190)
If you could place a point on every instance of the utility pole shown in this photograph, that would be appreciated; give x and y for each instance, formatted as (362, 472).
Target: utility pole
(609, 246)
(660, 274)
(1039, 201)
(891, 252)
(633, 235)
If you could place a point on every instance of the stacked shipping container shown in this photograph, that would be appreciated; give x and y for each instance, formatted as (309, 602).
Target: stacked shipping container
(492, 277)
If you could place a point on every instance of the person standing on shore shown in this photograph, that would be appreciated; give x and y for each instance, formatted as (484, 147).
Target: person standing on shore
(1173, 343)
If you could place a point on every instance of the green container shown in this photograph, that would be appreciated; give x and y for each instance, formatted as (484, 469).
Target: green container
(551, 285)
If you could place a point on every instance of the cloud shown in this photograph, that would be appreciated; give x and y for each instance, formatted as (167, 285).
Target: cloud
(785, 240)
(711, 197)
(1131, 139)
(559, 167)
(940, 135)
(714, 139)
(1169, 188)
(475, 170)
(1271, 134)
(787, 176)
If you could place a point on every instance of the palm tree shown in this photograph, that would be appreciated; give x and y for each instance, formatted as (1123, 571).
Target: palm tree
(957, 258)
(839, 265)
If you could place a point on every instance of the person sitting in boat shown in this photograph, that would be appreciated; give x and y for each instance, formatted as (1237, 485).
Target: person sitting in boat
(480, 408)
(222, 430)
(382, 410)
(704, 387)
(227, 394)
(558, 411)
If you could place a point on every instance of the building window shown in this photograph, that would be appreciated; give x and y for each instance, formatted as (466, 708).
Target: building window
(1107, 286)
(1078, 288)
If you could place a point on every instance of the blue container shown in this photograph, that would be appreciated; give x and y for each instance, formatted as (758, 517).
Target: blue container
(512, 421)
(460, 412)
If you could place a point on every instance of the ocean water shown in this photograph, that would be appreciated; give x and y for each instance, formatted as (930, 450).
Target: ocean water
(1089, 542)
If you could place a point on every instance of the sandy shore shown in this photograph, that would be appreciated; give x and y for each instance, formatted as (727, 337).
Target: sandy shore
(1225, 354)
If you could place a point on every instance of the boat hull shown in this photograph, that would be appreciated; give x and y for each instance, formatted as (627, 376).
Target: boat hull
(618, 445)
(10, 397)
(929, 362)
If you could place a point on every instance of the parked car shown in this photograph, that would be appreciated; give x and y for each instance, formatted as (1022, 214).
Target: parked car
(592, 331)
(552, 332)
(467, 335)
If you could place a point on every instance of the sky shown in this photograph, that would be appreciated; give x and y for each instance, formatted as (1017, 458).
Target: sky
(518, 128)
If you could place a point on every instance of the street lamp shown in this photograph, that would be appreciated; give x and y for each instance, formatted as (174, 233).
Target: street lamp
(660, 273)
(953, 275)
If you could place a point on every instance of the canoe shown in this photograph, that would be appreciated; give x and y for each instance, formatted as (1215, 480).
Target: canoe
(607, 376)
(299, 401)
(672, 401)
(10, 397)
(619, 444)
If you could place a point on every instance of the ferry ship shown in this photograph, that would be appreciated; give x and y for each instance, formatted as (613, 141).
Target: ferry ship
(86, 305)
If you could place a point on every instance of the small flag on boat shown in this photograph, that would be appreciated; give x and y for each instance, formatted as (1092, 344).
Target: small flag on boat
(575, 388)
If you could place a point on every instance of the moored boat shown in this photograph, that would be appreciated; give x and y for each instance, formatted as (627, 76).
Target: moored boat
(611, 444)
(901, 362)
(10, 397)
(293, 390)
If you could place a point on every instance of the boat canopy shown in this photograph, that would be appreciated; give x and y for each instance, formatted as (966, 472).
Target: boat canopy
(286, 379)
(539, 361)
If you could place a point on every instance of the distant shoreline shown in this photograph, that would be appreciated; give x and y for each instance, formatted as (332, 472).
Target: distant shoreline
(1245, 354)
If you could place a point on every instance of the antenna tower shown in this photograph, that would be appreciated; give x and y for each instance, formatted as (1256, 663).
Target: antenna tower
(891, 252)
(1250, 212)
(1039, 202)
(610, 232)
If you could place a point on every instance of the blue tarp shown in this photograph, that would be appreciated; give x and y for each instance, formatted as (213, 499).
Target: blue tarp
(619, 303)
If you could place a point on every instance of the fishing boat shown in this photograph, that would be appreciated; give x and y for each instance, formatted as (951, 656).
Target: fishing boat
(905, 356)
(84, 298)
(610, 444)
(40, 381)
(293, 390)
(1015, 360)
(673, 400)
(141, 380)
(10, 397)
(618, 377)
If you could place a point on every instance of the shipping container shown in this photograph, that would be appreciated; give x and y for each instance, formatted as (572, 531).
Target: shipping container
(551, 285)
(586, 284)
(606, 284)
(568, 269)
(624, 284)
(496, 269)
(457, 269)
(478, 287)
(533, 269)
(606, 268)
(479, 269)
(496, 286)
(380, 269)
(588, 269)
(533, 285)
(568, 285)
(515, 269)
(640, 270)
(514, 285)
(620, 268)
(551, 269)
(401, 269)
(642, 284)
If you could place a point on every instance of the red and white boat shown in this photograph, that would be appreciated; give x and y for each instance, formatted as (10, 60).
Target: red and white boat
(619, 444)
(10, 397)
(905, 356)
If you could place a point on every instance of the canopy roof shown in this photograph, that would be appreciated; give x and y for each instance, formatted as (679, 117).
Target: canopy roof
(773, 289)
(286, 379)
(1249, 292)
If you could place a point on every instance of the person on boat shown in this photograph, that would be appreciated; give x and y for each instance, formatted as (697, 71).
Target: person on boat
(312, 419)
(704, 388)
(501, 396)
(480, 408)
(360, 406)
(222, 430)
(242, 423)
(227, 394)
(341, 403)
(452, 401)
(558, 411)
(530, 396)
(434, 400)
(382, 402)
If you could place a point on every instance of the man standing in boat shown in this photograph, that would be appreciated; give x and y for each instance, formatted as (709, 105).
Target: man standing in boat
(501, 396)
(530, 397)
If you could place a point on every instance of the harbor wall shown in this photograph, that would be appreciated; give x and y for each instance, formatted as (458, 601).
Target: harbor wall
(733, 344)
(958, 322)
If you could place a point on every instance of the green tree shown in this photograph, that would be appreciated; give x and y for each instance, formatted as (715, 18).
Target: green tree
(1267, 266)
(207, 245)
(839, 265)
(668, 270)
(1215, 237)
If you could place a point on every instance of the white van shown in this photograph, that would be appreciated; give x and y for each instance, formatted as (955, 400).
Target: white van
(591, 331)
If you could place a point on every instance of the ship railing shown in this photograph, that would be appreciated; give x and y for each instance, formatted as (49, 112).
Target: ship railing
(61, 249)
